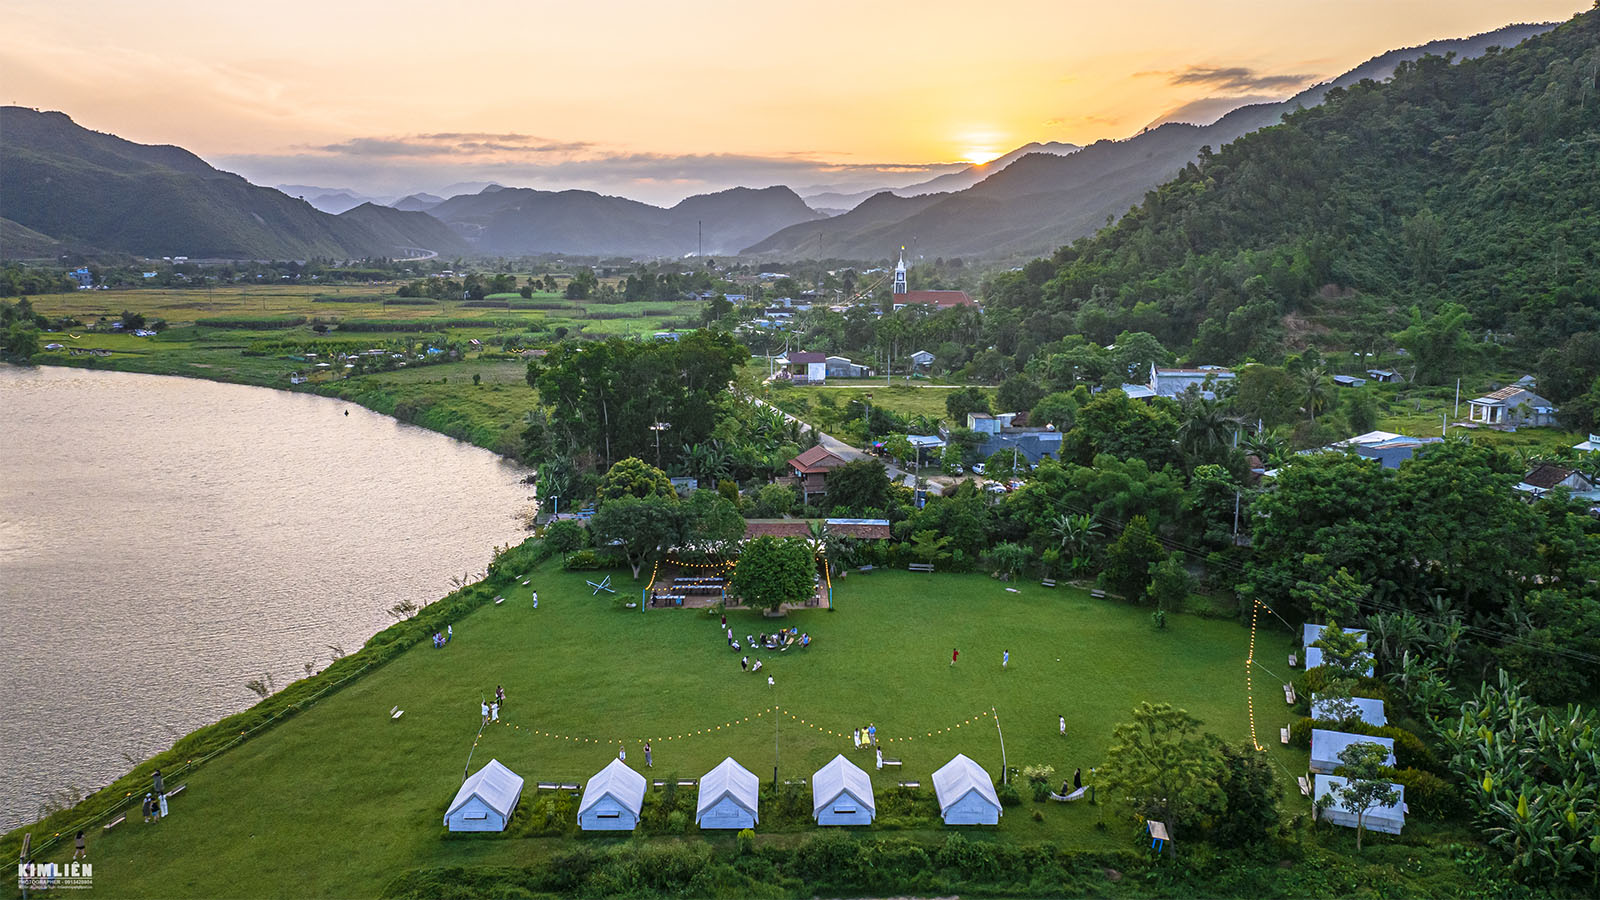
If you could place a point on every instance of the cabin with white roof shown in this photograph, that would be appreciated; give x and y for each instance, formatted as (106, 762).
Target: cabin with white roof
(730, 796)
(966, 793)
(841, 794)
(612, 800)
(486, 800)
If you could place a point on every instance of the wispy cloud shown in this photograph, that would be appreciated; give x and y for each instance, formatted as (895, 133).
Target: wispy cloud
(1231, 78)
(449, 144)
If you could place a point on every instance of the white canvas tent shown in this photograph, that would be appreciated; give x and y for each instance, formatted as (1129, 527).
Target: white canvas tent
(1313, 633)
(729, 797)
(486, 800)
(966, 793)
(1368, 710)
(1327, 745)
(841, 794)
(612, 800)
(1387, 819)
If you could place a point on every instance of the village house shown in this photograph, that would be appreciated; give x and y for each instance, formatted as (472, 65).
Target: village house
(1546, 477)
(810, 471)
(842, 367)
(1030, 443)
(921, 360)
(804, 367)
(1512, 407)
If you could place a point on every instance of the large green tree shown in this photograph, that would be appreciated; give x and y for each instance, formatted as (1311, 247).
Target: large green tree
(773, 572)
(633, 477)
(1162, 766)
(644, 528)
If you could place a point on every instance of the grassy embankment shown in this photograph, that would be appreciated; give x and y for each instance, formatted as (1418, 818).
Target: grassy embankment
(440, 396)
(347, 798)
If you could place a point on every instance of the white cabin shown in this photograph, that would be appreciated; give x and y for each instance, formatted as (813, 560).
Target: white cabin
(730, 796)
(966, 793)
(486, 800)
(841, 794)
(612, 800)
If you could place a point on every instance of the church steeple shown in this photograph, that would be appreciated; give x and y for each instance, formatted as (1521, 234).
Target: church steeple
(900, 273)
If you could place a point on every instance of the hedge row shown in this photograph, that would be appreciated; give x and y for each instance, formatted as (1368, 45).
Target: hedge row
(254, 323)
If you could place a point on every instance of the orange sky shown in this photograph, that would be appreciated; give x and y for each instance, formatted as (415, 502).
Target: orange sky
(538, 84)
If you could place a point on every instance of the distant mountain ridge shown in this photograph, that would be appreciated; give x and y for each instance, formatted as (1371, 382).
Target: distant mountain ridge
(1043, 201)
(513, 221)
(83, 189)
(950, 181)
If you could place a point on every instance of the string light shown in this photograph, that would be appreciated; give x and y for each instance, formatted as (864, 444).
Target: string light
(1249, 679)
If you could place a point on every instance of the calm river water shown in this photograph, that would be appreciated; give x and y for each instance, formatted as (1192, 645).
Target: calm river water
(165, 540)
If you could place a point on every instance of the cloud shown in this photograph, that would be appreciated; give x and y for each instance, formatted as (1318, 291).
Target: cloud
(448, 144)
(1231, 78)
(1209, 109)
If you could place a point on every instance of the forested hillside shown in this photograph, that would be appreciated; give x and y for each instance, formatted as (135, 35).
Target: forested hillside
(1473, 183)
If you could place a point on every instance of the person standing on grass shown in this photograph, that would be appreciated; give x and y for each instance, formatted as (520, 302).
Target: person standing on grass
(647, 762)
(500, 694)
(872, 733)
(449, 633)
(953, 655)
(485, 706)
(1077, 778)
(494, 712)
(1063, 726)
(622, 752)
(149, 809)
(160, 785)
(81, 849)
(1005, 658)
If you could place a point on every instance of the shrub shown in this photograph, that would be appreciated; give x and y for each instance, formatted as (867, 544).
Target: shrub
(1008, 795)
(1427, 794)
(582, 561)
(746, 841)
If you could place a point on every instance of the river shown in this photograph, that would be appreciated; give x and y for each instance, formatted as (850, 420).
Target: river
(164, 541)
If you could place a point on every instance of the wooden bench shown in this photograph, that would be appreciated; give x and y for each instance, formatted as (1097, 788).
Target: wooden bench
(547, 786)
(1305, 785)
(891, 762)
(1294, 660)
(114, 822)
(920, 567)
(1283, 734)
(911, 784)
(688, 782)
(1288, 694)
(1097, 594)
(1048, 582)
(659, 783)
(798, 781)
(177, 790)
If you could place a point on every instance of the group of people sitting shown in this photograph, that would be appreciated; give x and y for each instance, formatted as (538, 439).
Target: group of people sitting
(781, 640)
(746, 666)
(439, 640)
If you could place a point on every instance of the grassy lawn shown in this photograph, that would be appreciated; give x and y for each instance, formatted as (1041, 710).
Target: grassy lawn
(346, 799)
(1420, 410)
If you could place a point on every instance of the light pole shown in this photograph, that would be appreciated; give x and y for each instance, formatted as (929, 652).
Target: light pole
(658, 428)
(867, 422)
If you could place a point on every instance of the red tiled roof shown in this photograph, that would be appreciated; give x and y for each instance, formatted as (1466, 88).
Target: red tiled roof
(778, 528)
(944, 299)
(817, 459)
(1547, 476)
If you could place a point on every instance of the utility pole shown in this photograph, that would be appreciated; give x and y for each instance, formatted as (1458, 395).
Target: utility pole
(700, 239)
(1457, 410)
(1005, 771)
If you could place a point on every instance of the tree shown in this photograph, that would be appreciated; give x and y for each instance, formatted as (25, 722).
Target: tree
(929, 547)
(772, 572)
(959, 402)
(1017, 394)
(644, 527)
(1202, 428)
(712, 524)
(1135, 353)
(1266, 394)
(1129, 558)
(1361, 411)
(1366, 786)
(773, 501)
(21, 340)
(1170, 583)
(1059, 409)
(859, 485)
(1112, 423)
(1009, 558)
(564, 536)
(1439, 343)
(633, 477)
(1163, 767)
(1251, 786)
(1344, 653)
(582, 285)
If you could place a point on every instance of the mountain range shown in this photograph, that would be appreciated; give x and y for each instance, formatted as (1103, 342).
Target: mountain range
(1044, 200)
(511, 221)
(67, 187)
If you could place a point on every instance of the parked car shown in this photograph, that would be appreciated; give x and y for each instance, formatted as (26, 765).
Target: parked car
(977, 468)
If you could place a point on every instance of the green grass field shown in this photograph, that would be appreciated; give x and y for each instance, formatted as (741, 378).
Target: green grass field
(345, 798)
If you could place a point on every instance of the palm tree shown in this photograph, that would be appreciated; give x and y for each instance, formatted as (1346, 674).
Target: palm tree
(1313, 375)
(1269, 446)
(1204, 427)
(1075, 532)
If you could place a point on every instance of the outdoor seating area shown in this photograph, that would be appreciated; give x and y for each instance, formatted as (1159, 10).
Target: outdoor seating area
(692, 591)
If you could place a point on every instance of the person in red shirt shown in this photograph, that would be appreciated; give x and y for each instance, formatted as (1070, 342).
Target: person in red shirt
(953, 655)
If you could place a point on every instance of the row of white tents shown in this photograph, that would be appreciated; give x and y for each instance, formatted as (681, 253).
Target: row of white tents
(841, 794)
(1326, 745)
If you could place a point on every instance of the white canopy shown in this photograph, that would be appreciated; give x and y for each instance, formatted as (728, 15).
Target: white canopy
(730, 780)
(496, 786)
(620, 783)
(1313, 633)
(841, 776)
(1327, 745)
(1368, 710)
(1387, 819)
(959, 777)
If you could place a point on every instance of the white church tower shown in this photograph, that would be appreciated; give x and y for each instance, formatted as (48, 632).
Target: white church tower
(900, 273)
